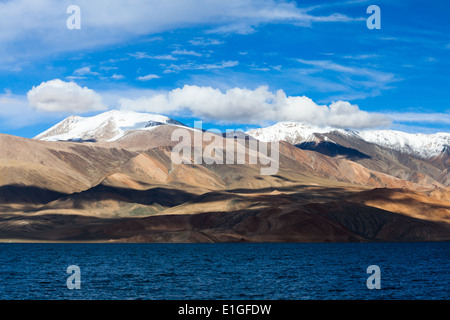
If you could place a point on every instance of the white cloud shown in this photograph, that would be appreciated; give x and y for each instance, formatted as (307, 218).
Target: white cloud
(15, 112)
(430, 59)
(238, 28)
(41, 25)
(143, 55)
(205, 66)
(58, 95)
(421, 117)
(72, 78)
(265, 68)
(6, 97)
(258, 106)
(362, 56)
(358, 82)
(236, 105)
(107, 68)
(85, 71)
(148, 77)
(187, 53)
(117, 76)
(205, 42)
(329, 65)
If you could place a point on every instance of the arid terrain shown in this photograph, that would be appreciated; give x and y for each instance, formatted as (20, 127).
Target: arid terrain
(129, 190)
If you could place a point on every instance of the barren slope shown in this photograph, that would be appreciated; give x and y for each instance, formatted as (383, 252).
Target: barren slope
(130, 190)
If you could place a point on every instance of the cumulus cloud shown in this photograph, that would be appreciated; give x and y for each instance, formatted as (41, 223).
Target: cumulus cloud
(258, 106)
(58, 95)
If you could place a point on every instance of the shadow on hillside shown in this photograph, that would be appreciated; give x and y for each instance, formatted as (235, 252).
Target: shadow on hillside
(27, 195)
(163, 196)
(332, 150)
(337, 221)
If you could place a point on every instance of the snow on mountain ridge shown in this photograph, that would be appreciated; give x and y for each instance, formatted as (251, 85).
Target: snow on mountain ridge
(114, 124)
(107, 126)
(292, 132)
(422, 145)
(62, 127)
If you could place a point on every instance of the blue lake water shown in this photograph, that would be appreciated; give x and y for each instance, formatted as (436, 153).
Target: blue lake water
(225, 271)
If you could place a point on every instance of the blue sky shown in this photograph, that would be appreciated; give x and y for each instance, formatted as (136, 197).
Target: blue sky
(233, 64)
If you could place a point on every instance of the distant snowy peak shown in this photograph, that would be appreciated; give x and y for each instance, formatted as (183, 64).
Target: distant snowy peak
(292, 132)
(107, 126)
(422, 145)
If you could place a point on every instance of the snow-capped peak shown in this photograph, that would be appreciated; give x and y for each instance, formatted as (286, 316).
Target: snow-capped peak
(107, 126)
(418, 144)
(292, 132)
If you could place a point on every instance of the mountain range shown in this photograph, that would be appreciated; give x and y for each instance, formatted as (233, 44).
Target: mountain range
(107, 126)
(421, 145)
(110, 177)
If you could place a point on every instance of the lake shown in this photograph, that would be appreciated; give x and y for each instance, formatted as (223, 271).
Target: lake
(289, 271)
